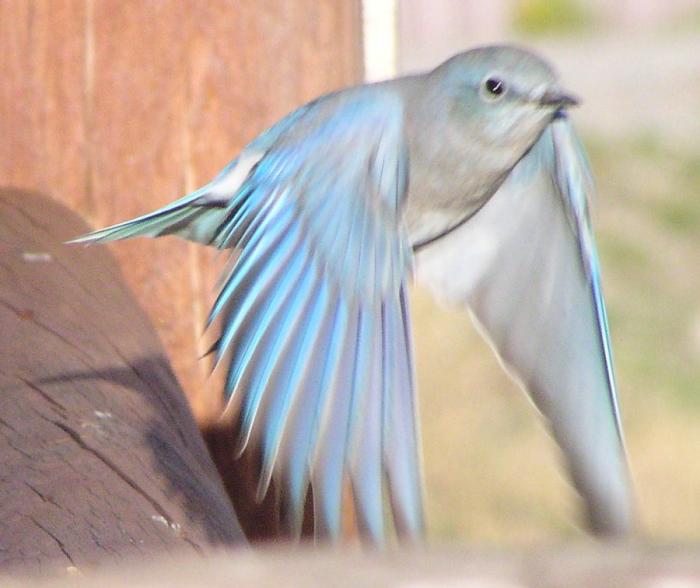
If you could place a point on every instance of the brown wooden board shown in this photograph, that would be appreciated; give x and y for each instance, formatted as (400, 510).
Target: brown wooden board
(100, 457)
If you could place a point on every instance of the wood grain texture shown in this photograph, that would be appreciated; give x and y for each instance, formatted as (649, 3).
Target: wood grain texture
(117, 107)
(101, 457)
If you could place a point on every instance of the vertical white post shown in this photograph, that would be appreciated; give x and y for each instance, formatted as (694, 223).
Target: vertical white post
(379, 21)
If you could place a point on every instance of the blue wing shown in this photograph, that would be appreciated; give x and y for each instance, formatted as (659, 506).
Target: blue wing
(313, 314)
(527, 268)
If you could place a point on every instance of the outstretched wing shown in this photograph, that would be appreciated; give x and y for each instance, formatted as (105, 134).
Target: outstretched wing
(527, 267)
(313, 314)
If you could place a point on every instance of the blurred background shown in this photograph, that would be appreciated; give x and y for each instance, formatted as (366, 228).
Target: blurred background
(116, 108)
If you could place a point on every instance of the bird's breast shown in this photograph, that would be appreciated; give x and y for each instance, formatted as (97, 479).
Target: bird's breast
(448, 185)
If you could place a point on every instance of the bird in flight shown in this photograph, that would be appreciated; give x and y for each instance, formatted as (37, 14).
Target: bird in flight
(468, 178)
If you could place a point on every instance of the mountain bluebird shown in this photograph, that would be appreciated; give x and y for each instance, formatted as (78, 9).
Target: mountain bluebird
(469, 177)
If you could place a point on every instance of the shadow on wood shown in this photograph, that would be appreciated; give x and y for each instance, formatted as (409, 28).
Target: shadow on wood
(100, 455)
(261, 521)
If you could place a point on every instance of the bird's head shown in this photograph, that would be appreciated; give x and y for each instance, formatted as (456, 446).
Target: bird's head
(501, 95)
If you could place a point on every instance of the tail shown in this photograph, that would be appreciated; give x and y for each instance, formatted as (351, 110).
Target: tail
(194, 217)
(198, 216)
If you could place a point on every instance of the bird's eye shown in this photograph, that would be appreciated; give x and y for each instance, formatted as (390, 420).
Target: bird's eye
(493, 88)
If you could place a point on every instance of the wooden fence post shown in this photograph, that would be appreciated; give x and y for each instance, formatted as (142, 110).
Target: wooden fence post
(116, 107)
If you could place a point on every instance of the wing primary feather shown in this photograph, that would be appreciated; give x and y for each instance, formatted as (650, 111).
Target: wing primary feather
(294, 366)
(329, 461)
(401, 435)
(274, 247)
(248, 315)
(305, 421)
(572, 171)
(266, 355)
(365, 445)
(250, 320)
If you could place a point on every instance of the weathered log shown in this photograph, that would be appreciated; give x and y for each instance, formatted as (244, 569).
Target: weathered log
(100, 456)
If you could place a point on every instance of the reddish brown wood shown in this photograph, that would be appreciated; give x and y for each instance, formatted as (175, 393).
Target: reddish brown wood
(100, 455)
(42, 99)
(116, 107)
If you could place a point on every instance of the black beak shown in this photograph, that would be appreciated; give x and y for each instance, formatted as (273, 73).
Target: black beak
(558, 98)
